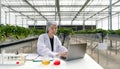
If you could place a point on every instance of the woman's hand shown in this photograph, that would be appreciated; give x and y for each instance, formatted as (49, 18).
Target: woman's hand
(63, 54)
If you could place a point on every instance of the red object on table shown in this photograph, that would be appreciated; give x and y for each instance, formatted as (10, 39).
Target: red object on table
(17, 62)
(56, 62)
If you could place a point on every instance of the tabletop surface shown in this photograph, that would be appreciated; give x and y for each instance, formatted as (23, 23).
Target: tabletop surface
(85, 63)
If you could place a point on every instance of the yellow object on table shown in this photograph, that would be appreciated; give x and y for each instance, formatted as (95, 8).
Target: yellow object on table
(46, 62)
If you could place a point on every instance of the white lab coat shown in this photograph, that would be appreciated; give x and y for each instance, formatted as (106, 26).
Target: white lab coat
(44, 46)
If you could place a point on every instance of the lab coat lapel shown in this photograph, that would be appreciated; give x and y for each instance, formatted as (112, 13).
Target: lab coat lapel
(54, 44)
(48, 41)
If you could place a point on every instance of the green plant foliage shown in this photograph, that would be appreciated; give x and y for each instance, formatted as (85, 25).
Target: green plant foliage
(65, 31)
(21, 32)
(2, 37)
(37, 31)
(111, 32)
(92, 31)
(101, 31)
(17, 32)
(118, 32)
(85, 32)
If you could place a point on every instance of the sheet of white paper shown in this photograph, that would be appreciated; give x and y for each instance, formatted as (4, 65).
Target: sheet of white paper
(31, 56)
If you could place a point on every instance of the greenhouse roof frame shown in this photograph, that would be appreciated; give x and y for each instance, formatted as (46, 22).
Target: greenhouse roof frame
(61, 10)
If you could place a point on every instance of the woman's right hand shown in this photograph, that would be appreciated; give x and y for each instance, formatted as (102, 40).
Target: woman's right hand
(63, 54)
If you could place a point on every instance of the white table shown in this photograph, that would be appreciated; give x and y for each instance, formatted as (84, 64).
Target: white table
(85, 63)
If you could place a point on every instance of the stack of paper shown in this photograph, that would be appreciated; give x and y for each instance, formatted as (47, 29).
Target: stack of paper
(35, 58)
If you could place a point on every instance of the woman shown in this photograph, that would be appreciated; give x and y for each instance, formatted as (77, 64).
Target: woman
(49, 44)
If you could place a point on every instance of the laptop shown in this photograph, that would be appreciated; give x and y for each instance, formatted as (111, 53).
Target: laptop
(76, 51)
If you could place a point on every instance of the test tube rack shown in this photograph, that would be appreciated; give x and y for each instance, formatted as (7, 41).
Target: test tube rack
(12, 59)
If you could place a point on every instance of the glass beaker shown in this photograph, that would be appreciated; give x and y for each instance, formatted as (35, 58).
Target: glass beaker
(46, 59)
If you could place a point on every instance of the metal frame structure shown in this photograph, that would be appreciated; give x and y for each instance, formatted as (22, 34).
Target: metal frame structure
(62, 10)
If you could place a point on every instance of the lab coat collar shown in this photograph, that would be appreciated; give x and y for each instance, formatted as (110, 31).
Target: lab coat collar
(48, 38)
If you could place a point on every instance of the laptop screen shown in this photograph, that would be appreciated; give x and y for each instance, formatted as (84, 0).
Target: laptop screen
(76, 51)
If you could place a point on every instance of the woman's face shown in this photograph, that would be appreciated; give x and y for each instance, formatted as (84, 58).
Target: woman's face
(52, 29)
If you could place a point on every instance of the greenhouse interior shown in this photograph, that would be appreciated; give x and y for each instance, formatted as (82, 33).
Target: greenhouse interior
(94, 22)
